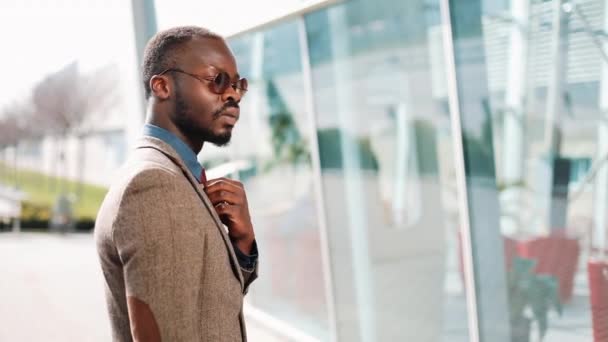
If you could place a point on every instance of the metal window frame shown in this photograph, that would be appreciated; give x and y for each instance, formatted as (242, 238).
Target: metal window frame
(316, 165)
(294, 15)
(461, 185)
(487, 304)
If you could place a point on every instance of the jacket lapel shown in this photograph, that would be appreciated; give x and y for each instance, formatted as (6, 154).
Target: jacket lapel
(159, 145)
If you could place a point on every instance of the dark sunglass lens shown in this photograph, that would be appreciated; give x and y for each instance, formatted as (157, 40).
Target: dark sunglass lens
(243, 84)
(221, 82)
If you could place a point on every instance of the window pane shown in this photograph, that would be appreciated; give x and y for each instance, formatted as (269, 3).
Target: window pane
(273, 142)
(385, 147)
(545, 103)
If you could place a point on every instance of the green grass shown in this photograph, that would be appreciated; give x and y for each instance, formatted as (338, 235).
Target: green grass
(43, 190)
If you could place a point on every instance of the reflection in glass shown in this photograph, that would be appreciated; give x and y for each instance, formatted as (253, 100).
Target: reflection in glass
(384, 145)
(546, 73)
(272, 139)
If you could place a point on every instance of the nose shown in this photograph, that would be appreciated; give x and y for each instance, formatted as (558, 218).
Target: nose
(231, 95)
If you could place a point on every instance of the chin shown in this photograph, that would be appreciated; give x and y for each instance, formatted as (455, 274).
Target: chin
(221, 139)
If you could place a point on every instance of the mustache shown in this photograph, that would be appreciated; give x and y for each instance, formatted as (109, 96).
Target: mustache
(226, 105)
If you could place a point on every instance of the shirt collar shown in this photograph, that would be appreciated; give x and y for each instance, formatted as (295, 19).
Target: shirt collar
(184, 151)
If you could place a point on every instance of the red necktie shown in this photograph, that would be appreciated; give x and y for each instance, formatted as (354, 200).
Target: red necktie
(203, 179)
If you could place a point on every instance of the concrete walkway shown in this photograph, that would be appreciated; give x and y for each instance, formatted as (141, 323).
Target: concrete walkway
(51, 289)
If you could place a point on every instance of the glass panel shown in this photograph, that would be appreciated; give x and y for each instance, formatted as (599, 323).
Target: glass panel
(546, 69)
(271, 145)
(384, 139)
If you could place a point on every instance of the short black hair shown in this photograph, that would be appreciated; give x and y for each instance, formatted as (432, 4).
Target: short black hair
(160, 52)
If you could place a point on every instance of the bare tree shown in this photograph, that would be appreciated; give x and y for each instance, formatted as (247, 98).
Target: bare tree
(15, 127)
(7, 139)
(99, 95)
(69, 103)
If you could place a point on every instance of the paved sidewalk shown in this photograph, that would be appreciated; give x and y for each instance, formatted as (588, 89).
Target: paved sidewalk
(51, 289)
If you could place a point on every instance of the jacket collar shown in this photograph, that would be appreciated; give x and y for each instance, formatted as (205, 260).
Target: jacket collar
(185, 152)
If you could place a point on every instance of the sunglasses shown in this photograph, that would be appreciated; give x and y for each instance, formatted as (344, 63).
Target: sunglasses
(218, 84)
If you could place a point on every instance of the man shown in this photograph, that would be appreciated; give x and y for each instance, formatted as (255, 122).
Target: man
(173, 272)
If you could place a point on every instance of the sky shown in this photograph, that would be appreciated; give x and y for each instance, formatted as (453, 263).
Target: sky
(41, 36)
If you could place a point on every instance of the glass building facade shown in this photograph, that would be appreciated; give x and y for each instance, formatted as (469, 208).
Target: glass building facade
(428, 170)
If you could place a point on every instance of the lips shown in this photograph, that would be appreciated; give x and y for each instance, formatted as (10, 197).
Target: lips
(231, 111)
(230, 120)
(231, 115)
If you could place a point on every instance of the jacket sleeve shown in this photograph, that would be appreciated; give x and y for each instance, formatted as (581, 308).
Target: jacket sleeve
(249, 275)
(248, 264)
(160, 278)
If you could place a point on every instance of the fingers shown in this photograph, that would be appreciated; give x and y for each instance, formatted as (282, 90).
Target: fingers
(228, 213)
(224, 184)
(221, 196)
(230, 202)
(225, 209)
(226, 190)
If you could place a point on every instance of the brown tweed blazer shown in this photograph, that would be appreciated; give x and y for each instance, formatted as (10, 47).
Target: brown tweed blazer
(170, 269)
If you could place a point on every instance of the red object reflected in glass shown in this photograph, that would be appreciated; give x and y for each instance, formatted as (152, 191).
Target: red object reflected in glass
(598, 283)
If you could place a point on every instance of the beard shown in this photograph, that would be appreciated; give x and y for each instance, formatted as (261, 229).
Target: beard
(184, 121)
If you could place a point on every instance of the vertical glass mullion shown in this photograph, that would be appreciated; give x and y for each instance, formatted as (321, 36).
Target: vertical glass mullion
(478, 196)
(316, 167)
(463, 206)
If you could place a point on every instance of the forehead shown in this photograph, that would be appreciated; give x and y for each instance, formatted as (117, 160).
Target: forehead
(200, 52)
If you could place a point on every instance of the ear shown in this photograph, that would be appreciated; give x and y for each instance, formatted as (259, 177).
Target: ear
(161, 87)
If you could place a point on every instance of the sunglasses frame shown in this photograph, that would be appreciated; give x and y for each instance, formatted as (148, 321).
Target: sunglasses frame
(239, 86)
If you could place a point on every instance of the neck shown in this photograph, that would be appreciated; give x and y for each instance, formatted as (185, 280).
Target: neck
(164, 122)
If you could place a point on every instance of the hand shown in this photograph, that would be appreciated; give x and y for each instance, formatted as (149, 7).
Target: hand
(230, 201)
